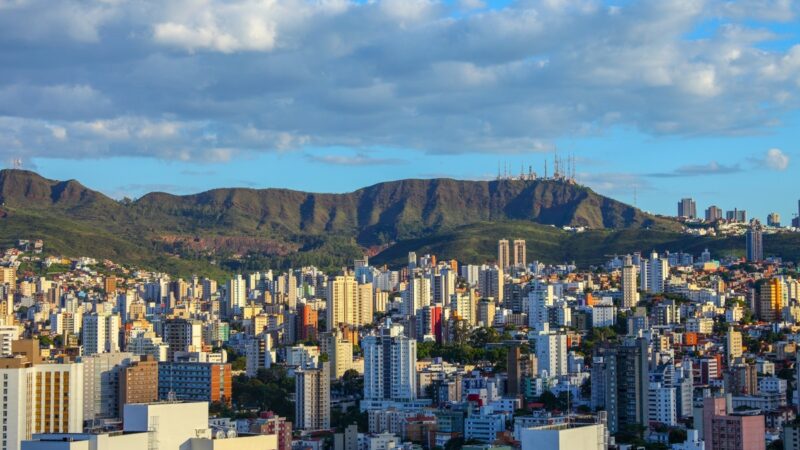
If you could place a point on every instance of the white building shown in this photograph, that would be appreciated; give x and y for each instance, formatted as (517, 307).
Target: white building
(654, 272)
(396, 354)
(540, 299)
(237, 293)
(551, 353)
(662, 405)
(604, 316)
(100, 333)
(44, 398)
(8, 334)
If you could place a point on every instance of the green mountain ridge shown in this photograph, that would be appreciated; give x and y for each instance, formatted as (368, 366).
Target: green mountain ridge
(283, 227)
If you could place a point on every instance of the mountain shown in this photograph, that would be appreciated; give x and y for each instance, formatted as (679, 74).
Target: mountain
(284, 227)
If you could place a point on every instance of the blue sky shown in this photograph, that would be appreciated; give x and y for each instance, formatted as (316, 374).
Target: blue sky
(673, 98)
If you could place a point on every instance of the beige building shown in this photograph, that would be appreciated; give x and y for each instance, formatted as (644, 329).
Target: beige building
(313, 398)
(339, 351)
(349, 303)
(503, 254)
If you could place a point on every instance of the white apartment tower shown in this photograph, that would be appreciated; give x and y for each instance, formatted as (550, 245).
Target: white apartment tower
(100, 333)
(653, 273)
(390, 361)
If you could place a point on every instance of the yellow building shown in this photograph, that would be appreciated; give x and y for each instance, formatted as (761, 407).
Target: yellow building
(771, 300)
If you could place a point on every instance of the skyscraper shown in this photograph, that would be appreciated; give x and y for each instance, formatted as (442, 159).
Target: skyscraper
(237, 293)
(770, 299)
(687, 208)
(100, 333)
(653, 272)
(733, 346)
(182, 336)
(417, 295)
(101, 377)
(774, 219)
(503, 254)
(490, 282)
(630, 296)
(313, 397)
(390, 360)
(551, 353)
(620, 383)
(520, 253)
(713, 213)
(754, 242)
(348, 302)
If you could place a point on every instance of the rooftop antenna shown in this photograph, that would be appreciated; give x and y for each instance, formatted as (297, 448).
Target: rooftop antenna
(545, 168)
(634, 195)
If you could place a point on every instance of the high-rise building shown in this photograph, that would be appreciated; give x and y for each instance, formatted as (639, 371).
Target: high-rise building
(313, 397)
(348, 302)
(237, 293)
(737, 215)
(771, 299)
(774, 219)
(444, 286)
(101, 377)
(390, 360)
(630, 294)
(540, 300)
(39, 398)
(417, 295)
(183, 335)
(307, 321)
(514, 379)
(755, 243)
(138, 382)
(491, 282)
(100, 333)
(464, 306)
(551, 354)
(339, 351)
(620, 383)
(713, 213)
(8, 275)
(520, 253)
(733, 346)
(486, 312)
(653, 273)
(687, 208)
(503, 254)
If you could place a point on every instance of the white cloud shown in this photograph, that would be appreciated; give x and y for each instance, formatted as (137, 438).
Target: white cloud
(217, 78)
(775, 159)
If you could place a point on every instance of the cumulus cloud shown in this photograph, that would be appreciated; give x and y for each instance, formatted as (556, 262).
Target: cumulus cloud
(775, 159)
(214, 79)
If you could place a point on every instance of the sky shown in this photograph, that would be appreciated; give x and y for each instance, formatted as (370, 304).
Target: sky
(656, 100)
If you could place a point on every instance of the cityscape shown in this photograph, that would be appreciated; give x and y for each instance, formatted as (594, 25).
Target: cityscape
(400, 225)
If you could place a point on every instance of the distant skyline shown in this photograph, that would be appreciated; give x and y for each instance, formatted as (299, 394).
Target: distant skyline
(672, 98)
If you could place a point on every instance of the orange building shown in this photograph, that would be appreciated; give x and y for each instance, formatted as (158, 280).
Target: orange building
(307, 320)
